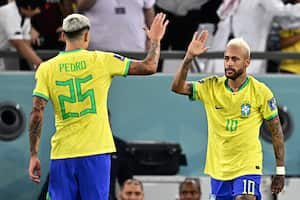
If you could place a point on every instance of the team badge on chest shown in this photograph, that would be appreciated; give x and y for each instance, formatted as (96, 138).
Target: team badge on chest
(245, 110)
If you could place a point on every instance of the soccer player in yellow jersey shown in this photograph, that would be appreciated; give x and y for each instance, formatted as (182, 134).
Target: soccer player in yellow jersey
(77, 82)
(236, 105)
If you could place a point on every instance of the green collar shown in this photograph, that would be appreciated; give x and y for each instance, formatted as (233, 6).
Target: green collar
(246, 82)
(71, 51)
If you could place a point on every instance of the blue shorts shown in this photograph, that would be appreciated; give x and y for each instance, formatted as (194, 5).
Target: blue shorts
(82, 178)
(228, 190)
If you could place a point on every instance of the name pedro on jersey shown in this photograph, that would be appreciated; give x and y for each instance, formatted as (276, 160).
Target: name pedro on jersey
(72, 67)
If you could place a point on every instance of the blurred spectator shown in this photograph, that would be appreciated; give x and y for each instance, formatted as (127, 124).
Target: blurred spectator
(190, 189)
(132, 189)
(15, 28)
(273, 44)
(289, 40)
(118, 25)
(45, 32)
(239, 18)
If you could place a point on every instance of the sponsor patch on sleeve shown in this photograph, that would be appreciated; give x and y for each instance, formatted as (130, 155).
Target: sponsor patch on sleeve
(272, 104)
(119, 57)
(201, 81)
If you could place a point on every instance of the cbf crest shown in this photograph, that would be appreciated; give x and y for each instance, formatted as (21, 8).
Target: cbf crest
(245, 110)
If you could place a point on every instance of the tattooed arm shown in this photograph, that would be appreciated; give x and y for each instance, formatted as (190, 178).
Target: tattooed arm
(35, 128)
(155, 34)
(179, 84)
(196, 47)
(149, 64)
(278, 145)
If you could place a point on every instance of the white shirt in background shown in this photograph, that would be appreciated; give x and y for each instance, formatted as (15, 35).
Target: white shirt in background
(111, 31)
(251, 21)
(12, 28)
(180, 7)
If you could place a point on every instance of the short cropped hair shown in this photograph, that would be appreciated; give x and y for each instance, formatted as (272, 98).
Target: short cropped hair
(75, 25)
(76, 34)
(133, 181)
(195, 181)
(240, 42)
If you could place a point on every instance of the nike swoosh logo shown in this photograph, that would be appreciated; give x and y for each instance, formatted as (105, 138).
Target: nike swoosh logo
(219, 107)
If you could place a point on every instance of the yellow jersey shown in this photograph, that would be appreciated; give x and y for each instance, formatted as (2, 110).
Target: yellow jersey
(234, 120)
(290, 65)
(77, 83)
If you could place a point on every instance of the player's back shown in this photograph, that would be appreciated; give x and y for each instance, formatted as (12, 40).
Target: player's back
(77, 83)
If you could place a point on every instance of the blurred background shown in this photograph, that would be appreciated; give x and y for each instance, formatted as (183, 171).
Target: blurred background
(166, 133)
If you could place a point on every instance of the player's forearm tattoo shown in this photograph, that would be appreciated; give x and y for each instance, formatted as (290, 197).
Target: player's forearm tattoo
(149, 64)
(153, 53)
(187, 62)
(185, 66)
(277, 140)
(179, 83)
(35, 124)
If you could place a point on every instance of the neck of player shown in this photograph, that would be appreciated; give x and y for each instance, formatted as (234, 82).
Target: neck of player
(237, 83)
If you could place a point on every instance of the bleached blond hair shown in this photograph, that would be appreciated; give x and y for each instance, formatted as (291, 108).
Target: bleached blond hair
(240, 42)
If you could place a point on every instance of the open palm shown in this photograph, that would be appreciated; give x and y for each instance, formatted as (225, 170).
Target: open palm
(158, 27)
(196, 46)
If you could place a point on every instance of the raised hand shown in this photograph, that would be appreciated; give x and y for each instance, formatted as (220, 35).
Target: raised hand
(196, 46)
(158, 27)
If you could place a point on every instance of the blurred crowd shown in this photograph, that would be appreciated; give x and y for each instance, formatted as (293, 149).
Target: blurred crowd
(118, 25)
(133, 189)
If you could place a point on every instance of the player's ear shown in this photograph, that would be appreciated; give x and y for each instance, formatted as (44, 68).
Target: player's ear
(86, 36)
(63, 36)
(247, 62)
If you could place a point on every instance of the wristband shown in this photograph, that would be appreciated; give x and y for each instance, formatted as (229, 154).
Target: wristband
(280, 170)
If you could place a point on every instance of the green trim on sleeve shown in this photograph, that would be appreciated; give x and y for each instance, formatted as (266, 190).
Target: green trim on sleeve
(127, 67)
(193, 96)
(272, 116)
(40, 95)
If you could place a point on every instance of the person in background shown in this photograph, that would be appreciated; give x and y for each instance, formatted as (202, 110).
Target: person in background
(289, 35)
(15, 30)
(190, 189)
(236, 106)
(132, 189)
(77, 83)
(121, 25)
(45, 33)
(238, 18)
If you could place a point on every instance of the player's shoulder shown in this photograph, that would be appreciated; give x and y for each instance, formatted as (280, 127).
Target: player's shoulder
(97, 54)
(45, 65)
(211, 79)
(258, 84)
